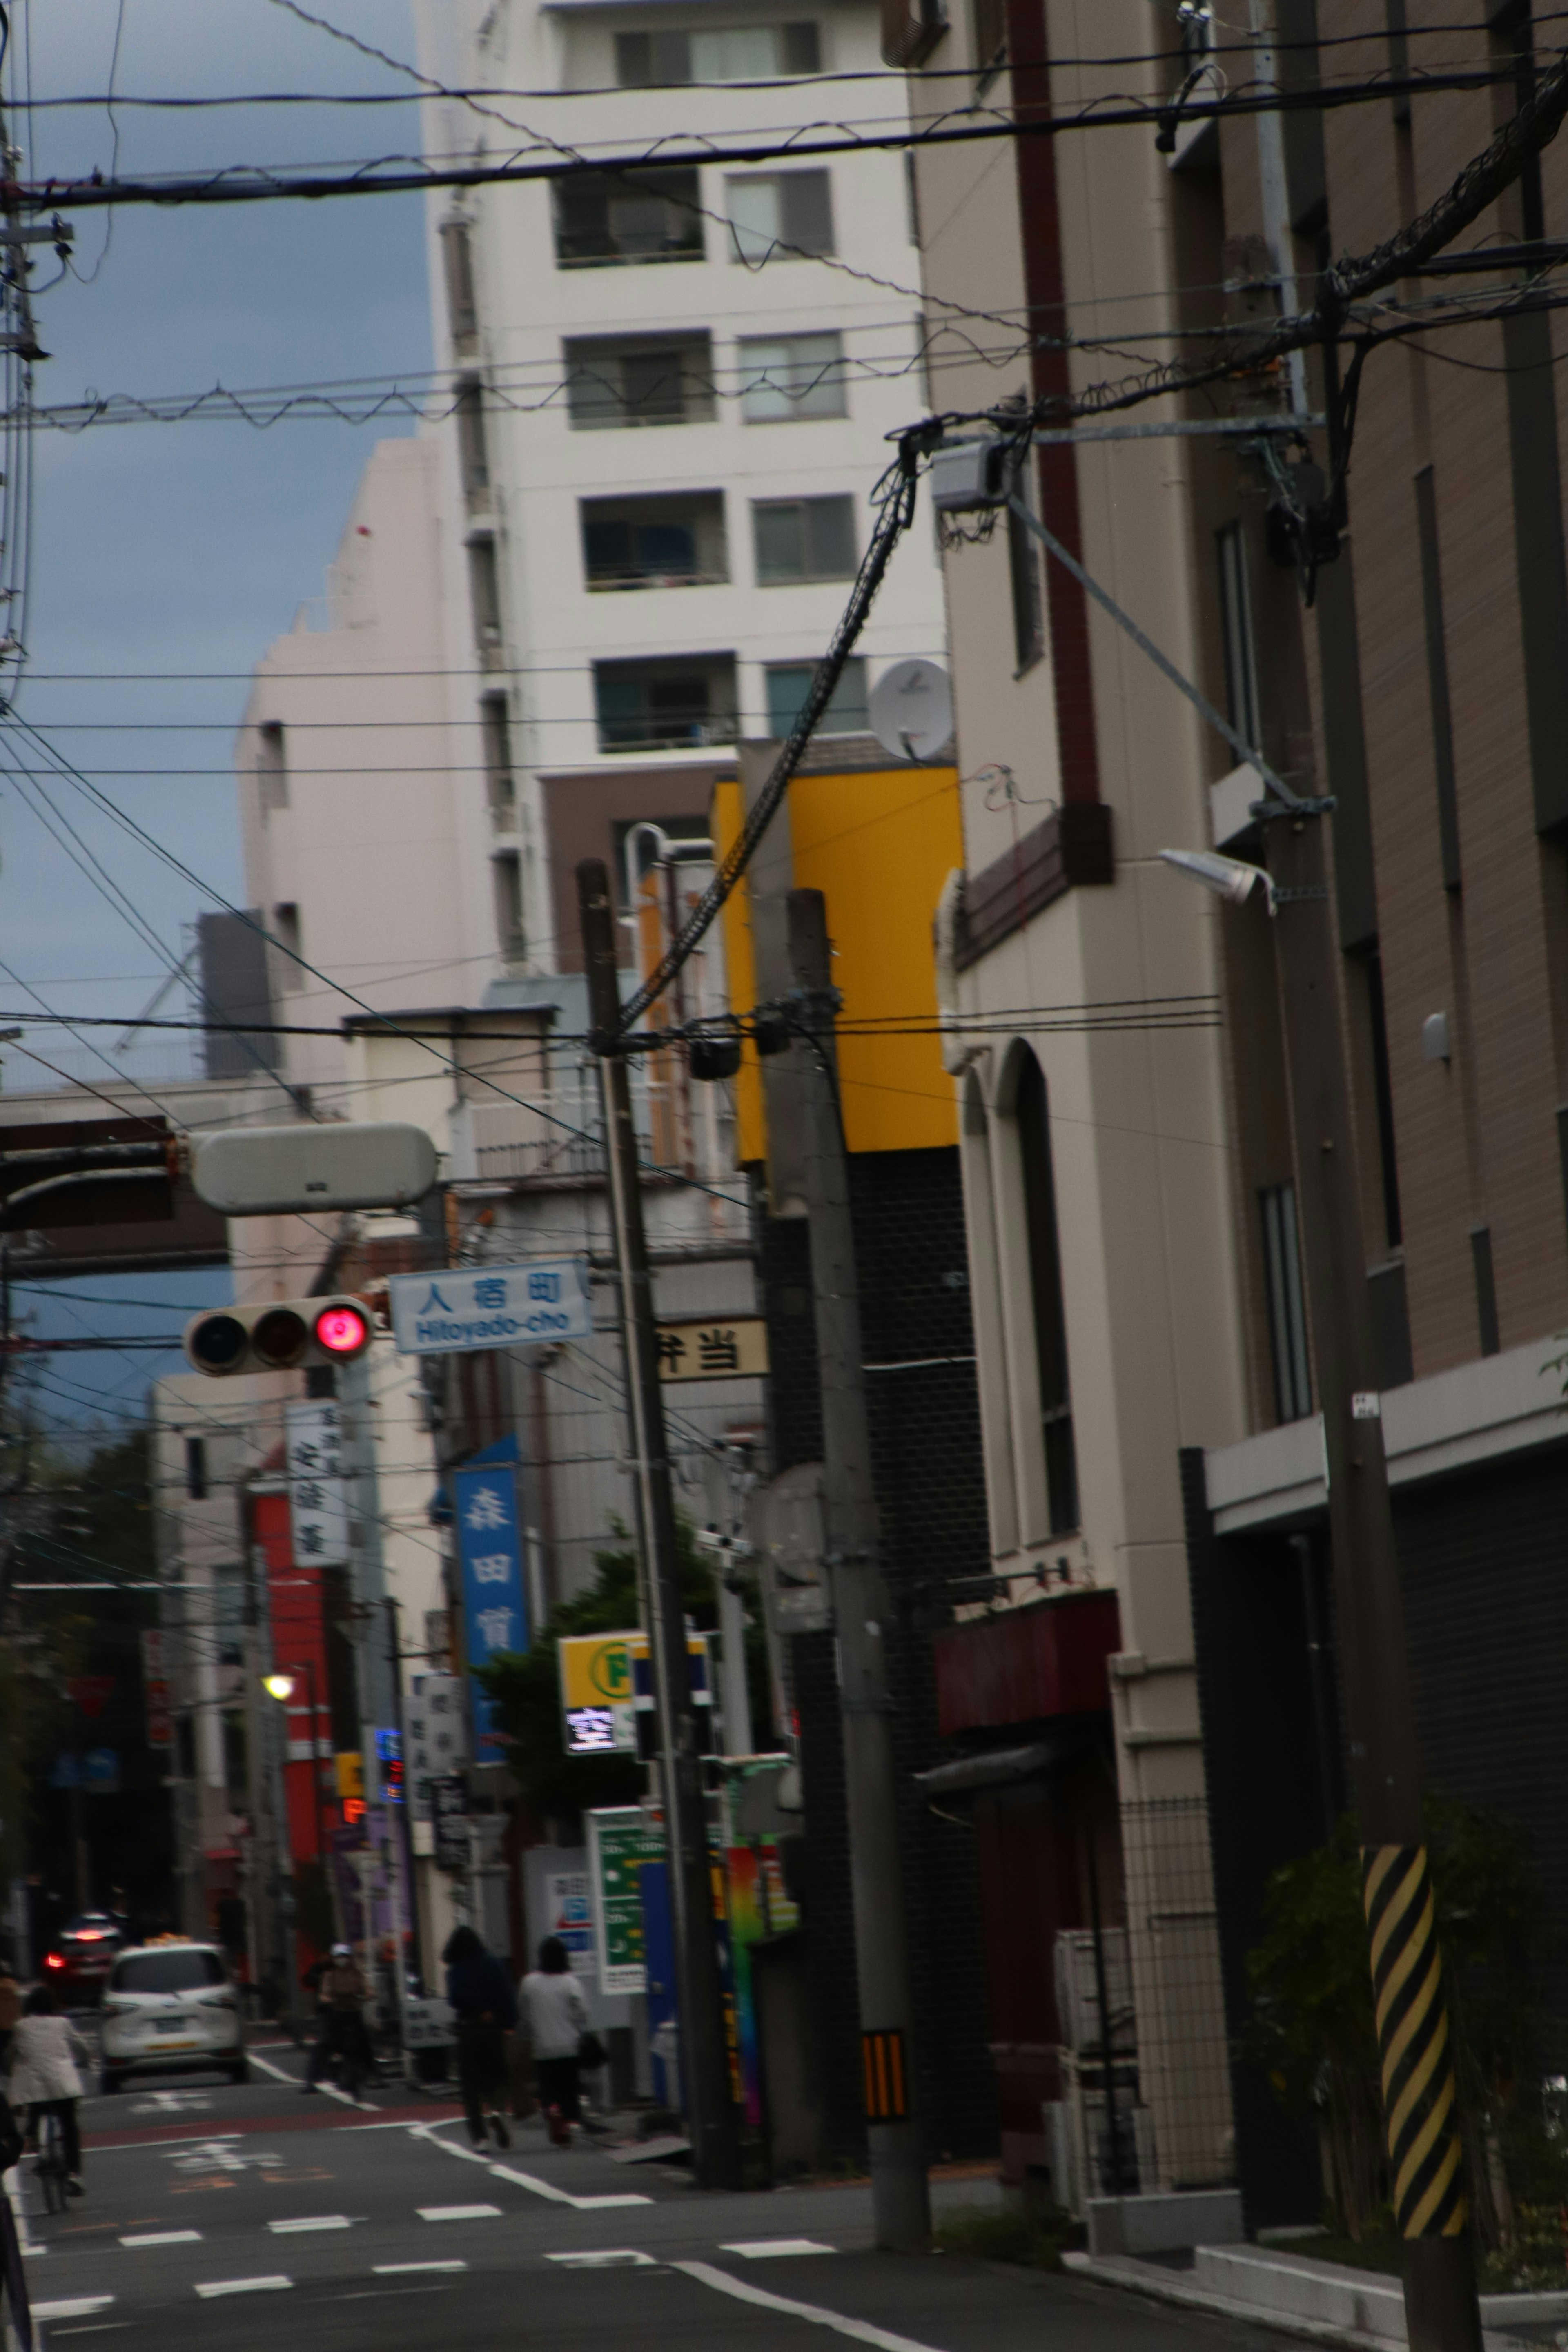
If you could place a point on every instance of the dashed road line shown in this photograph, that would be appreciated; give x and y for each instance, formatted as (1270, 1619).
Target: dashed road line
(862, 2330)
(79, 2306)
(460, 2212)
(605, 2258)
(164, 2238)
(208, 2288)
(397, 2270)
(308, 2221)
(762, 2250)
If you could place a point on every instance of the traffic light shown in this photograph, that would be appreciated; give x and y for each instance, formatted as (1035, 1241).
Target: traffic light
(278, 1339)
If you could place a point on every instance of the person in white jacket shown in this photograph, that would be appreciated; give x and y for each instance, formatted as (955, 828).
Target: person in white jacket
(557, 2015)
(44, 2079)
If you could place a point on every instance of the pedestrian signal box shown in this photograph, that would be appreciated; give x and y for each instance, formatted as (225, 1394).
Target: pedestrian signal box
(278, 1339)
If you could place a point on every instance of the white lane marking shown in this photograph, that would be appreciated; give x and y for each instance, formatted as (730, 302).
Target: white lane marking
(296, 2082)
(174, 2102)
(98, 2328)
(605, 2258)
(310, 2222)
(163, 2238)
(761, 2250)
(529, 2180)
(460, 2212)
(209, 2287)
(396, 2270)
(744, 2292)
(82, 2307)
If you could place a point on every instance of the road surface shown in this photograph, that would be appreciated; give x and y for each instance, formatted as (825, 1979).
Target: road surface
(261, 2219)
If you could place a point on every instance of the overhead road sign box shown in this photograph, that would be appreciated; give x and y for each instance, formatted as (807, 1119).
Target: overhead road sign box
(268, 1171)
(452, 1311)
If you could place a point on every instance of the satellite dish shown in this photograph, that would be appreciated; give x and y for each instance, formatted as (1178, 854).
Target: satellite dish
(912, 710)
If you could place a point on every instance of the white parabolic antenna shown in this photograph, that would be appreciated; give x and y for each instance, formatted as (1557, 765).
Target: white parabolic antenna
(912, 710)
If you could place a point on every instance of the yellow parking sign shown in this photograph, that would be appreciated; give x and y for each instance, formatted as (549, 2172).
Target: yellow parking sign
(596, 1694)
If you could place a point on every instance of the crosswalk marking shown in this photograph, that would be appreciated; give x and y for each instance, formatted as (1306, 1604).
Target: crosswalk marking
(308, 2221)
(78, 2308)
(460, 2212)
(760, 2249)
(164, 2238)
(395, 2270)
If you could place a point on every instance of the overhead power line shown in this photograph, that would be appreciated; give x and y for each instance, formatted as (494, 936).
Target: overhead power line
(251, 183)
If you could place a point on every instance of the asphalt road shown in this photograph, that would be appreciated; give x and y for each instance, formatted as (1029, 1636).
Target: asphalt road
(258, 2219)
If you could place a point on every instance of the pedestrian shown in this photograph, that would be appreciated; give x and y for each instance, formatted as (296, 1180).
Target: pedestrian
(557, 2020)
(343, 1993)
(45, 2052)
(479, 1988)
(10, 2011)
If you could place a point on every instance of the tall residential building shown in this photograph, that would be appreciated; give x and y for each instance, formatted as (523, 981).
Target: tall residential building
(675, 387)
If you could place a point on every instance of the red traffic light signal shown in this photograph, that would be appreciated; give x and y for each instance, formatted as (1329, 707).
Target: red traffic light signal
(290, 1333)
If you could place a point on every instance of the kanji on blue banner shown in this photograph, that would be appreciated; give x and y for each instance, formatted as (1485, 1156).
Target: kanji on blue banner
(495, 1614)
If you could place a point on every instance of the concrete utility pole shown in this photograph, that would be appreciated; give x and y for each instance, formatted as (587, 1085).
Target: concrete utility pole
(1425, 2156)
(710, 2116)
(899, 2195)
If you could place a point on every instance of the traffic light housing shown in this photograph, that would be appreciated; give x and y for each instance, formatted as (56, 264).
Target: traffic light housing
(281, 1336)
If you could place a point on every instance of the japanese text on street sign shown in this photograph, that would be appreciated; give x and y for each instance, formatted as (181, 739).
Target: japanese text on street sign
(620, 1840)
(569, 1909)
(720, 1349)
(435, 1739)
(318, 1492)
(448, 1311)
(495, 1615)
(155, 1689)
(449, 1815)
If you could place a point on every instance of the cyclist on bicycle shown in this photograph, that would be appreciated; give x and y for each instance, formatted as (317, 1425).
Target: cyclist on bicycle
(342, 1994)
(45, 2049)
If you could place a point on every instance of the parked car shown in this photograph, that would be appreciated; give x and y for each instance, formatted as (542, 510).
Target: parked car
(172, 2006)
(79, 1963)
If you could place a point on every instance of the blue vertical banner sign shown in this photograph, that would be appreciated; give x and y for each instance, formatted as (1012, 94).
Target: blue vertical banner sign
(495, 1613)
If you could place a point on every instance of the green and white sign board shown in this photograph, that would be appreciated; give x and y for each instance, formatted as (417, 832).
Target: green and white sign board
(621, 1838)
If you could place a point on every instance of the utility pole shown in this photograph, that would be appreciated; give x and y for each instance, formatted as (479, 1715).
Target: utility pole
(1442, 2312)
(900, 2197)
(705, 2095)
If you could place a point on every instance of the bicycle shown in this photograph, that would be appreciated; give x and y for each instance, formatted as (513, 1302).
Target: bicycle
(49, 2164)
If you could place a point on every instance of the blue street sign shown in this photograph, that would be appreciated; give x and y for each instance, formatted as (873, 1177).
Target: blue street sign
(448, 1311)
(495, 1614)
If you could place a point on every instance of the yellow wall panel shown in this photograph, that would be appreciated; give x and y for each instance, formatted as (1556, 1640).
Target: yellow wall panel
(740, 970)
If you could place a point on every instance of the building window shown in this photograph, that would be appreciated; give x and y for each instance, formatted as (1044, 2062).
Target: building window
(618, 216)
(659, 542)
(196, 1469)
(472, 455)
(988, 20)
(665, 705)
(1235, 621)
(1046, 1290)
(802, 539)
(507, 872)
(462, 311)
(789, 683)
(1024, 572)
(484, 586)
(732, 53)
(286, 934)
(271, 769)
(495, 734)
(615, 380)
(778, 213)
(1287, 1302)
(786, 377)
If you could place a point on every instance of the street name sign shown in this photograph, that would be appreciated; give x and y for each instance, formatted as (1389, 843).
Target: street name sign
(453, 1310)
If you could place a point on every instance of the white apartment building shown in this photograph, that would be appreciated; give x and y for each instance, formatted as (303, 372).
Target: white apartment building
(676, 390)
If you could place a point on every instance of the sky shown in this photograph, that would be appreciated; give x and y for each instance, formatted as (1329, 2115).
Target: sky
(182, 548)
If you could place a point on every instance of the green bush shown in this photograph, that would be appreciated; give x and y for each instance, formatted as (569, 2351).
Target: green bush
(1010, 2233)
(1311, 2028)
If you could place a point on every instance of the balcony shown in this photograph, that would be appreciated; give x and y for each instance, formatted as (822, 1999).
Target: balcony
(611, 218)
(672, 704)
(655, 542)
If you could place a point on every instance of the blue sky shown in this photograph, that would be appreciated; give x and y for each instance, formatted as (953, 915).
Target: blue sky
(161, 548)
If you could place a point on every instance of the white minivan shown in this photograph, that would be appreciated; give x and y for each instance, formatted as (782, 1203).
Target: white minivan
(171, 2005)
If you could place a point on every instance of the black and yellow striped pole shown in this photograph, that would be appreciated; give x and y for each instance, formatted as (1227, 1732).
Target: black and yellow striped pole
(1442, 2313)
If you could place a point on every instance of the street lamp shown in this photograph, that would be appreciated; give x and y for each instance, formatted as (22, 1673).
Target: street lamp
(281, 1685)
(1418, 2088)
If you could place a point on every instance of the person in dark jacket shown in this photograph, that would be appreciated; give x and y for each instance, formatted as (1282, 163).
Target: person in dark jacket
(485, 2001)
